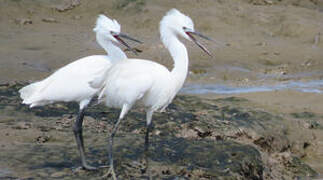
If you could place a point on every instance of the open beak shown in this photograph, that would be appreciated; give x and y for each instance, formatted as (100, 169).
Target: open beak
(122, 35)
(190, 34)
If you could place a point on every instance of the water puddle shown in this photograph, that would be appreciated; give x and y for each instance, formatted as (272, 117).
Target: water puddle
(308, 87)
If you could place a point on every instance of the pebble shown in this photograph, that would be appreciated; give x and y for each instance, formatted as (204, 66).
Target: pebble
(58, 174)
(310, 124)
(68, 5)
(61, 106)
(23, 21)
(49, 20)
(309, 62)
(157, 132)
(261, 44)
(4, 84)
(23, 125)
(268, 2)
(77, 17)
(42, 139)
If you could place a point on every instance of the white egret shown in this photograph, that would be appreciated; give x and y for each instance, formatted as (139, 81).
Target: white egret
(71, 82)
(133, 80)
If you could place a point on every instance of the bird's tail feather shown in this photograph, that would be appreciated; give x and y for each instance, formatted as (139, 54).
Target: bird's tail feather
(27, 91)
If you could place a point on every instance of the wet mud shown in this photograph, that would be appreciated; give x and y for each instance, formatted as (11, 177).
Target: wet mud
(196, 138)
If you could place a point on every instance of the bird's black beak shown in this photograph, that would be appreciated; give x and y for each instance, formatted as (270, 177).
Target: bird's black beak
(190, 34)
(122, 35)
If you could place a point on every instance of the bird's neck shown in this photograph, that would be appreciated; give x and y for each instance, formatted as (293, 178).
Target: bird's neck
(179, 54)
(113, 51)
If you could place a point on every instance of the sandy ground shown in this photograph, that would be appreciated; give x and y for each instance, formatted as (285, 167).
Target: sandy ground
(259, 42)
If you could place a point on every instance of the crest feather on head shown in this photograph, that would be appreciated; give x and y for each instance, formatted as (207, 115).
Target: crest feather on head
(103, 23)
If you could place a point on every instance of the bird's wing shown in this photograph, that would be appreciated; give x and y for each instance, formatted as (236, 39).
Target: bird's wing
(69, 83)
(125, 83)
(97, 81)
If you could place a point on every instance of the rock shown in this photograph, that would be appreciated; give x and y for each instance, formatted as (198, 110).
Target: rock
(311, 124)
(49, 20)
(77, 17)
(261, 2)
(42, 139)
(197, 158)
(5, 84)
(308, 63)
(157, 132)
(198, 71)
(23, 125)
(23, 21)
(273, 144)
(58, 128)
(263, 44)
(68, 5)
(61, 106)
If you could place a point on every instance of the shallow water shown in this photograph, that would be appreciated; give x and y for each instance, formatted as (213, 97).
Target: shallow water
(308, 87)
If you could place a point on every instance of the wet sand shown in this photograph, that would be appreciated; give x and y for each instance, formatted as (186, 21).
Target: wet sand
(260, 43)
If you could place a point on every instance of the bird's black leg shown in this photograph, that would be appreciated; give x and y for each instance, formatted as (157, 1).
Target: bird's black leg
(114, 131)
(124, 111)
(78, 132)
(146, 150)
(148, 129)
(149, 115)
(111, 169)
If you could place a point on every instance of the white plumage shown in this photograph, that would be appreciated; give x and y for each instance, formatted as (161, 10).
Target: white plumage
(147, 82)
(151, 83)
(134, 80)
(71, 82)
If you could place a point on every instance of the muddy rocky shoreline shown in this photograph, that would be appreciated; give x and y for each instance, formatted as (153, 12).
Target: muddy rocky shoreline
(271, 44)
(196, 138)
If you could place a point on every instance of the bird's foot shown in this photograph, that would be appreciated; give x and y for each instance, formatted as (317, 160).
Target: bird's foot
(89, 168)
(111, 172)
(103, 166)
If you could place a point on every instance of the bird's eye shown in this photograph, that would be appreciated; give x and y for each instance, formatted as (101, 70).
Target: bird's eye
(184, 28)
